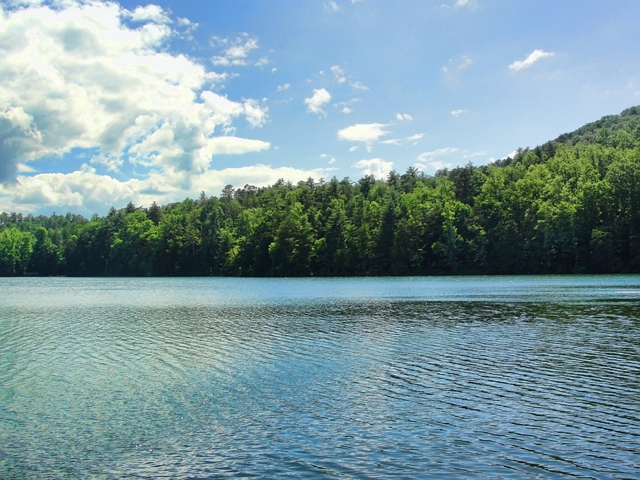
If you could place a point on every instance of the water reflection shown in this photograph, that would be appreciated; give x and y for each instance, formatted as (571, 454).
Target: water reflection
(187, 378)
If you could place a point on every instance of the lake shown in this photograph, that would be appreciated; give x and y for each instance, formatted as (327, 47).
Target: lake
(357, 377)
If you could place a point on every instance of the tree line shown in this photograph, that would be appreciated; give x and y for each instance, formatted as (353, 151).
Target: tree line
(568, 206)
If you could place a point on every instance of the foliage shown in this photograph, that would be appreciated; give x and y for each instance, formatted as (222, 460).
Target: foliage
(570, 205)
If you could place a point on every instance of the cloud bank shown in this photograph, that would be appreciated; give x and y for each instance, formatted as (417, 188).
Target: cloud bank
(94, 75)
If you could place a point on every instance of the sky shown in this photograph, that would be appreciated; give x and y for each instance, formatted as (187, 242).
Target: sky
(103, 103)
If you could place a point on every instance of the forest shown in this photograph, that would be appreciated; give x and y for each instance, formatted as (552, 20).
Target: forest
(568, 206)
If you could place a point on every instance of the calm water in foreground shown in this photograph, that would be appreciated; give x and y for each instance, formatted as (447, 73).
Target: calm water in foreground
(204, 377)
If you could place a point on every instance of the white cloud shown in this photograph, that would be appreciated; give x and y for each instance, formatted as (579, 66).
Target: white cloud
(415, 137)
(150, 13)
(85, 191)
(428, 156)
(483, 153)
(318, 100)
(338, 73)
(81, 78)
(461, 3)
(262, 62)
(110, 162)
(403, 117)
(457, 113)
(455, 68)
(22, 168)
(185, 22)
(391, 141)
(466, 62)
(286, 86)
(363, 132)
(331, 159)
(358, 86)
(434, 165)
(427, 160)
(530, 60)
(375, 166)
(236, 50)
(255, 114)
(354, 148)
(346, 106)
(333, 6)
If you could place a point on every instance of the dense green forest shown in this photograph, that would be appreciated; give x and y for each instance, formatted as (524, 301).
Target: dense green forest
(568, 206)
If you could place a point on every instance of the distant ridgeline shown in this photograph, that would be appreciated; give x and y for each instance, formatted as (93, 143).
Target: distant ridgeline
(570, 205)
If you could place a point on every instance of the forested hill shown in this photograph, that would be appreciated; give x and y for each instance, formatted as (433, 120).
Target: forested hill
(570, 205)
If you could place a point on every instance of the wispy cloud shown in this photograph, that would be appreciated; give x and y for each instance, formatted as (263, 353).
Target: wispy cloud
(457, 113)
(482, 153)
(331, 158)
(235, 50)
(284, 87)
(346, 106)
(465, 62)
(429, 156)
(533, 57)
(403, 117)
(358, 86)
(338, 73)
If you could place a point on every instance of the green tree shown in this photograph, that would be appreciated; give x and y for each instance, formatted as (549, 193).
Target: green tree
(16, 248)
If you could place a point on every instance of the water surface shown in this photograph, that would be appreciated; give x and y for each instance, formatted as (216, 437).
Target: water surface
(368, 377)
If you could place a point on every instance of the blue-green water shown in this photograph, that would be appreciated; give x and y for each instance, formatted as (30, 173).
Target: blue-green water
(414, 377)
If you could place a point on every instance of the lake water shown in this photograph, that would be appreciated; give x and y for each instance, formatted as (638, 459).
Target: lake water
(489, 377)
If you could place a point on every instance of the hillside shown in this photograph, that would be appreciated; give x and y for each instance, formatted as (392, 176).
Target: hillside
(568, 206)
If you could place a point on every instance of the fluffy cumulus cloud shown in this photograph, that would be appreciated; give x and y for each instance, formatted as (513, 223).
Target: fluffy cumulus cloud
(86, 191)
(93, 75)
(375, 166)
(318, 100)
(363, 132)
(533, 57)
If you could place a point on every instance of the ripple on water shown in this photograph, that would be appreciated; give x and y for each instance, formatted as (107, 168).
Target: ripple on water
(327, 385)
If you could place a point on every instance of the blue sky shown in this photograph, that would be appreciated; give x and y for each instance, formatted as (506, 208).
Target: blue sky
(103, 103)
